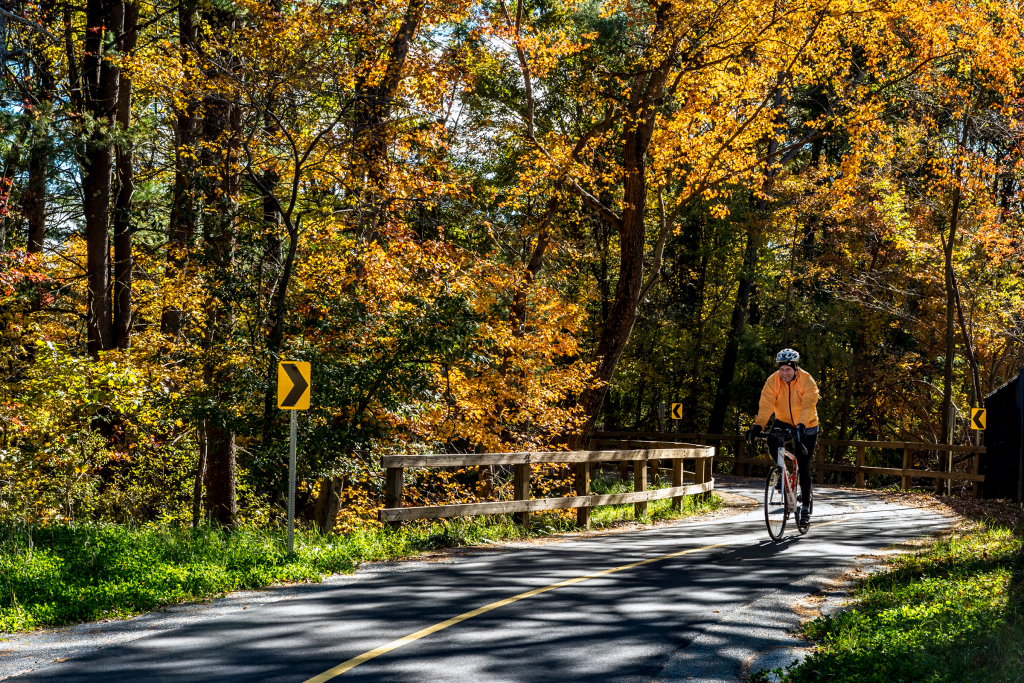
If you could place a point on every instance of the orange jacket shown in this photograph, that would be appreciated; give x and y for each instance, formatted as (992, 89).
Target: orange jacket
(794, 403)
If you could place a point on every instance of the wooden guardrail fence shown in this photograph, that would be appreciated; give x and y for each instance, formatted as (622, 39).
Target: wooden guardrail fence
(639, 453)
(906, 472)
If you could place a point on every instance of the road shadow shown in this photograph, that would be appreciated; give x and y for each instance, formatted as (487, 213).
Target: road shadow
(619, 627)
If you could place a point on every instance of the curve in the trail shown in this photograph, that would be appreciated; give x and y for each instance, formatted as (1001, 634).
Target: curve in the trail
(681, 602)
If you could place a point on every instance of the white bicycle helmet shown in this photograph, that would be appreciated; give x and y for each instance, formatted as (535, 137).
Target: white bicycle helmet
(787, 356)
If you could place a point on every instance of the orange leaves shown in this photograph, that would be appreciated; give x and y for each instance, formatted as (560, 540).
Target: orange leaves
(498, 386)
(17, 269)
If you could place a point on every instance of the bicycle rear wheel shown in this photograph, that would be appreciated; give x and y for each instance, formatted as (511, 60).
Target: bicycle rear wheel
(775, 513)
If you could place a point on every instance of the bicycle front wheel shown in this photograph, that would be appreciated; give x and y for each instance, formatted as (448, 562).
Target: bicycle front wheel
(775, 504)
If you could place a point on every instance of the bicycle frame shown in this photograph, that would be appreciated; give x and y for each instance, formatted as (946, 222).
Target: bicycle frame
(791, 474)
(782, 480)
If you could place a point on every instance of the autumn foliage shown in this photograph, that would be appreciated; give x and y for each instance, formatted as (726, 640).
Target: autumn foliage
(489, 227)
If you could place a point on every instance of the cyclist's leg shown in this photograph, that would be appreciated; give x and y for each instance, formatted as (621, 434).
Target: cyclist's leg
(804, 458)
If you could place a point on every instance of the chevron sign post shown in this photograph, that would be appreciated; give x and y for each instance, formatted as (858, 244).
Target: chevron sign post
(294, 385)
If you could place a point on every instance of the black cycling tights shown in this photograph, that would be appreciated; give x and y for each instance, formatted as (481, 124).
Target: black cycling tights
(803, 459)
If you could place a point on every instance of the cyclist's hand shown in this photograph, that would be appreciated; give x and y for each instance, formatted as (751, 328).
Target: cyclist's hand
(801, 431)
(754, 432)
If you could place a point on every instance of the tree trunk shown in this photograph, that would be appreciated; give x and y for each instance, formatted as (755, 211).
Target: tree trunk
(690, 419)
(272, 255)
(34, 199)
(328, 504)
(723, 392)
(183, 221)
(126, 190)
(947, 372)
(374, 103)
(844, 422)
(100, 78)
(786, 323)
(197, 488)
(33, 202)
(965, 336)
(96, 187)
(948, 244)
(632, 234)
(220, 159)
(221, 503)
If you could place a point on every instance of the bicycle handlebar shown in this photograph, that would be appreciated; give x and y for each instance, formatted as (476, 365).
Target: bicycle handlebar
(784, 432)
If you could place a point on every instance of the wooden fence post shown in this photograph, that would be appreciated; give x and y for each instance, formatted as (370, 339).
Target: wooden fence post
(521, 490)
(639, 484)
(975, 489)
(655, 467)
(709, 471)
(393, 480)
(677, 480)
(949, 480)
(906, 468)
(583, 489)
(819, 461)
(860, 464)
(740, 468)
(700, 474)
(624, 467)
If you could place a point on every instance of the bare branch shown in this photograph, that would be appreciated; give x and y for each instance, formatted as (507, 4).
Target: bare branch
(659, 248)
(38, 28)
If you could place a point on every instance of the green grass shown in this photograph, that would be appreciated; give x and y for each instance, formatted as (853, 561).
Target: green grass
(950, 612)
(657, 510)
(66, 573)
(59, 574)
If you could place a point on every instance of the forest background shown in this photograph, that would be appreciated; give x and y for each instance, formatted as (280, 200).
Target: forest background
(489, 227)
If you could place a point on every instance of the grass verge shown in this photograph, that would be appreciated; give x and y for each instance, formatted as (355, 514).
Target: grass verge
(952, 611)
(657, 510)
(65, 573)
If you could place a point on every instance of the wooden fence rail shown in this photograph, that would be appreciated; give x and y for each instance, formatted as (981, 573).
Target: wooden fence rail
(640, 453)
(907, 472)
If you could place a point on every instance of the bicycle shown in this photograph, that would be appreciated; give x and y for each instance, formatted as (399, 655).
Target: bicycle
(780, 485)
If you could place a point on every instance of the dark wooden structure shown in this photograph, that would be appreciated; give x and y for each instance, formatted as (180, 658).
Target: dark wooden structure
(639, 453)
(1003, 438)
(907, 472)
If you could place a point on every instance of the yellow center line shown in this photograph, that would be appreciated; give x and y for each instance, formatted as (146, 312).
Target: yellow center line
(423, 633)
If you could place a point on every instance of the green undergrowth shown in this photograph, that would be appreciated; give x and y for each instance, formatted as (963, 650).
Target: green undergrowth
(59, 574)
(950, 612)
(65, 573)
(657, 510)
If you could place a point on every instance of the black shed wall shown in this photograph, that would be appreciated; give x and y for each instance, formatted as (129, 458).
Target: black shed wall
(1001, 462)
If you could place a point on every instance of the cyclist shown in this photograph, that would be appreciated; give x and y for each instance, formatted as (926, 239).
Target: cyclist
(792, 395)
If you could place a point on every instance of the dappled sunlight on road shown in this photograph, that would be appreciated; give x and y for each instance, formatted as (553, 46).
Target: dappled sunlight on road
(696, 616)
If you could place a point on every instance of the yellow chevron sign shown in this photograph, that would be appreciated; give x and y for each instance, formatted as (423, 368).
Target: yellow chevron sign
(293, 385)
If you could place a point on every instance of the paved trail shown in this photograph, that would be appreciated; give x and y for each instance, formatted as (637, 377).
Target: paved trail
(686, 602)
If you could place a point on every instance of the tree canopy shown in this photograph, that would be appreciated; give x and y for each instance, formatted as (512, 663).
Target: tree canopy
(489, 226)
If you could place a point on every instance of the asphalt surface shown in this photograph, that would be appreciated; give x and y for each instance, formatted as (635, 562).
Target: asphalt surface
(703, 615)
